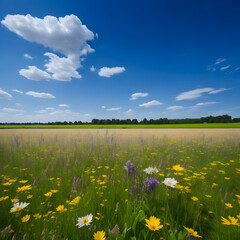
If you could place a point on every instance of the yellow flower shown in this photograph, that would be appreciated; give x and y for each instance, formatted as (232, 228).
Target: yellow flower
(29, 196)
(4, 198)
(229, 205)
(24, 188)
(153, 223)
(192, 232)
(208, 196)
(49, 194)
(75, 201)
(61, 208)
(26, 218)
(104, 176)
(177, 168)
(53, 191)
(15, 200)
(23, 181)
(99, 235)
(37, 216)
(233, 221)
(7, 184)
(194, 198)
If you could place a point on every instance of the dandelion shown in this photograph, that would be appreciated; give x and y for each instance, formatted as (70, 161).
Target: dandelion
(23, 181)
(153, 223)
(150, 170)
(84, 221)
(151, 184)
(229, 205)
(99, 235)
(170, 182)
(24, 188)
(61, 209)
(4, 198)
(194, 199)
(192, 232)
(75, 201)
(49, 194)
(26, 218)
(18, 206)
(177, 168)
(231, 221)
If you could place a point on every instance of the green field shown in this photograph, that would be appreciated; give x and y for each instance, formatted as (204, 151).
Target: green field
(198, 125)
(64, 175)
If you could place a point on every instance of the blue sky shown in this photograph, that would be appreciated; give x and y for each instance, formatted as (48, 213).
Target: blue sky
(78, 60)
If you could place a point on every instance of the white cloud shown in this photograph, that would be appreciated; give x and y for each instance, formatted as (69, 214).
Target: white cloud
(40, 95)
(63, 105)
(26, 55)
(17, 91)
(114, 109)
(128, 111)
(34, 73)
(108, 72)
(12, 110)
(50, 108)
(150, 104)
(196, 93)
(135, 96)
(219, 90)
(206, 103)
(92, 69)
(103, 107)
(66, 35)
(217, 62)
(63, 68)
(87, 115)
(226, 67)
(175, 108)
(41, 111)
(220, 60)
(4, 94)
(18, 104)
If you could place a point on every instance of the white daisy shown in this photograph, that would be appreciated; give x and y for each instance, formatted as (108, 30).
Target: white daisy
(19, 206)
(84, 221)
(150, 170)
(170, 182)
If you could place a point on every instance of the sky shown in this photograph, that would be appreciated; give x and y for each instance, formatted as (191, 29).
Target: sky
(79, 60)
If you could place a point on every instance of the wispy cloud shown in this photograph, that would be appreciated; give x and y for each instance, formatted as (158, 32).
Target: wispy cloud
(136, 96)
(225, 67)
(12, 110)
(17, 91)
(206, 103)
(103, 107)
(40, 95)
(108, 72)
(114, 109)
(92, 69)
(63, 105)
(26, 55)
(129, 111)
(150, 104)
(218, 61)
(196, 93)
(219, 90)
(4, 94)
(174, 108)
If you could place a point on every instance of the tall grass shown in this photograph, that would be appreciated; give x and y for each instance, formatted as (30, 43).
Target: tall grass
(91, 166)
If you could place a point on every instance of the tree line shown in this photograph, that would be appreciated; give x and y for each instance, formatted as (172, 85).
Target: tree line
(210, 119)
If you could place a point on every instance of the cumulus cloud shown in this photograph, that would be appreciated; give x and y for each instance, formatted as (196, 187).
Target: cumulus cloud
(40, 95)
(128, 111)
(135, 96)
(92, 69)
(108, 72)
(219, 90)
(12, 110)
(63, 68)
(66, 35)
(114, 109)
(17, 91)
(4, 94)
(150, 104)
(175, 108)
(206, 103)
(225, 67)
(26, 55)
(196, 93)
(63, 105)
(34, 73)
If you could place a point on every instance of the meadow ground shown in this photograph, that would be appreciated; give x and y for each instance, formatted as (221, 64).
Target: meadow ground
(118, 184)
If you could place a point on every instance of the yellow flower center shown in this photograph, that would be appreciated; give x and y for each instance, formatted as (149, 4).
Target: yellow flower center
(85, 220)
(169, 183)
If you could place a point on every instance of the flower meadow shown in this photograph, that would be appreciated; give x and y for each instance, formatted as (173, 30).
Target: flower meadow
(69, 184)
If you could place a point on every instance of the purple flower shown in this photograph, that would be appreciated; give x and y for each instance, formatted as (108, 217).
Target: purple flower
(131, 170)
(151, 184)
